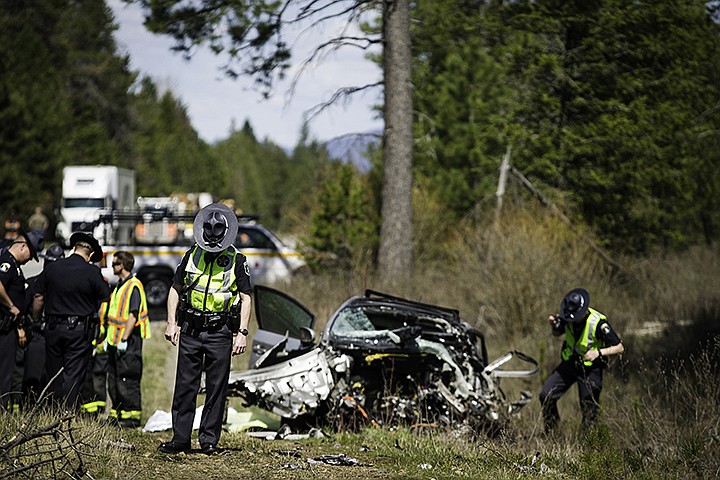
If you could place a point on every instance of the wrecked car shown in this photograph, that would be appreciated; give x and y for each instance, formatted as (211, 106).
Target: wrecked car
(381, 360)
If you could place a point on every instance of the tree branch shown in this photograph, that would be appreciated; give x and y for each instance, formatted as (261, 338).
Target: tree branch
(340, 94)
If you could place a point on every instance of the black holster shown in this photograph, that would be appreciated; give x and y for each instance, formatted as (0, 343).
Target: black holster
(7, 322)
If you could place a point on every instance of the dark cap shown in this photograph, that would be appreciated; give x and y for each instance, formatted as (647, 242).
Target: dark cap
(89, 240)
(215, 227)
(54, 252)
(35, 241)
(575, 305)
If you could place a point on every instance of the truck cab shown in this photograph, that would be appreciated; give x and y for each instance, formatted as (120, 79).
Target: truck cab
(90, 191)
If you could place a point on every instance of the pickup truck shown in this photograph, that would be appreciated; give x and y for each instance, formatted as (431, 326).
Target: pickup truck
(270, 261)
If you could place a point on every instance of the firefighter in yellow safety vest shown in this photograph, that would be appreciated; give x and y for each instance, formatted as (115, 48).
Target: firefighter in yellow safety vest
(127, 325)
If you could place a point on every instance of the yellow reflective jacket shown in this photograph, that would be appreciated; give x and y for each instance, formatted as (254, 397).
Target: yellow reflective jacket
(118, 311)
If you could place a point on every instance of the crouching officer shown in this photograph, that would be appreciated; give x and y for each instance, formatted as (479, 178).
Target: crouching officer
(127, 326)
(71, 290)
(589, 340)
(211, 283)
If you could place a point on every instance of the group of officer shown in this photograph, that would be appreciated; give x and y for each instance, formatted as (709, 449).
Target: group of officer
(208, 317)
(55, 317)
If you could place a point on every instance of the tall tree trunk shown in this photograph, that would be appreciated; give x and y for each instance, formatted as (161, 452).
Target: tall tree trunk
(395, 256)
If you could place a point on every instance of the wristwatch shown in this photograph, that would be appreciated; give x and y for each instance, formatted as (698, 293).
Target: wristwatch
(243, 331)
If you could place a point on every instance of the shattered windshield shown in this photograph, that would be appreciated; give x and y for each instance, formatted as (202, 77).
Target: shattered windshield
(351, 320)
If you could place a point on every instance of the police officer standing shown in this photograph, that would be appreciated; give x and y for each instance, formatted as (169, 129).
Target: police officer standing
(12, 298)
(71, 290)
(127, 325)
(211, 283)
(30, 365)
(589, 340)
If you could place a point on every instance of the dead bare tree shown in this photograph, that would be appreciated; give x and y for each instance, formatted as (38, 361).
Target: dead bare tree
(50, 450)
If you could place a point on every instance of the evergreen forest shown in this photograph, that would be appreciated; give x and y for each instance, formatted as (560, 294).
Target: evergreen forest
(607, 108)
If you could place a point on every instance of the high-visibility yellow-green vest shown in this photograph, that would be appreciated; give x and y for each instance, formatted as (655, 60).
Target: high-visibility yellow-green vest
(118, 311)
(212, 285)
(587, 341)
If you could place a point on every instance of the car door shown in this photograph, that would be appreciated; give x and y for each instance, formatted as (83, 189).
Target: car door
(278, 316)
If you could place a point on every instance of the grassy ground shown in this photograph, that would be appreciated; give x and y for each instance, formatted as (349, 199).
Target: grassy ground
(666, 427)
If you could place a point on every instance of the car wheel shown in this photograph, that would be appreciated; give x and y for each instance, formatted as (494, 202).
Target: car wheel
(157, 287)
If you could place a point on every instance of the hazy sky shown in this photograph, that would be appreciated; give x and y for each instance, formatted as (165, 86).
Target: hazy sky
(213, 101)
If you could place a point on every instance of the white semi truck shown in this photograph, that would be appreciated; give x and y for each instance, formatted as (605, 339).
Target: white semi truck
(91, 191)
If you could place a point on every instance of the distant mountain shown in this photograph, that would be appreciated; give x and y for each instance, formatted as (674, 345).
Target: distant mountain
(352, 148)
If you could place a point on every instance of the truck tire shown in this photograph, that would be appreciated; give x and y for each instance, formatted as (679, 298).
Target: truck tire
(157, 286)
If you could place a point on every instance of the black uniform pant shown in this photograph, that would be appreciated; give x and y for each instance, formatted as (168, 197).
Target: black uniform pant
(124, 376)
(8, 349)
(34, 378)
(213, 349)
(70, 349)
(589, 380)
(94, 392)
(29, 374)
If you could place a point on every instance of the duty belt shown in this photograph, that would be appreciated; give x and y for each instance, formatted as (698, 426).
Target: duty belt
(70, 320)
(199, 320)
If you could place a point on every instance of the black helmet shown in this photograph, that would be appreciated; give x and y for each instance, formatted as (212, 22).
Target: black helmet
(575, 305)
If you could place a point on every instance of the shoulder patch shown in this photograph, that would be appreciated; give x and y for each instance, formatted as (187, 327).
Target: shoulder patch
(5, 267)
(605, 328)
(247, 268)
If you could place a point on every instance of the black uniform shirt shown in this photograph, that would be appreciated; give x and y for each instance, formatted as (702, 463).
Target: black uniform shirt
(72, 286)
(242, 270)
(13, 280)
(606, 334)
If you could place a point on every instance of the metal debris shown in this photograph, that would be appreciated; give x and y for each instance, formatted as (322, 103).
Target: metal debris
(339, 459)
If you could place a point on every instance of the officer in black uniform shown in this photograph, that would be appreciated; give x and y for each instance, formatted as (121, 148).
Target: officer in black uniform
(12, 299)
(30, 363)
(589, 341)
(211, 283)
(71, 291)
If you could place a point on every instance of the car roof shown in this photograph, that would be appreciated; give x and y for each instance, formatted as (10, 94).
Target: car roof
(380, 299)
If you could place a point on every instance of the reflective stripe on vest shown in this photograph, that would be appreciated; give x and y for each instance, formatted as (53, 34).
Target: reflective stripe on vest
(587, 341)
(119, 311)
(213, 284)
